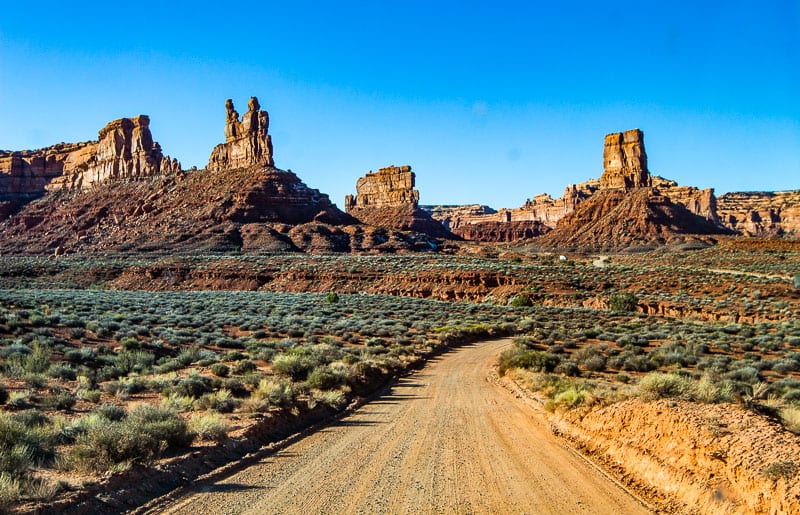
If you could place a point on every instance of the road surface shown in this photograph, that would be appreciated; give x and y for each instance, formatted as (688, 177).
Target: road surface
(443, 440)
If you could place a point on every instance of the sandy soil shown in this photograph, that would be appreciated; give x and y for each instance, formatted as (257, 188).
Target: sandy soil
(443, 440)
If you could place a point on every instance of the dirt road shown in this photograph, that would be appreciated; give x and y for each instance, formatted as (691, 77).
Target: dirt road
(444, 440)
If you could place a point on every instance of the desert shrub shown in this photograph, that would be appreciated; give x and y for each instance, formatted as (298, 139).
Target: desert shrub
(796, 281)
(521, 300)
(780, 470)
(333, 398)
(790, 417)
(220, 369)
(658, 385)
(60, 400)
(519, 357)
(62, 371)
(3, 394)
(277, 393)
(111, 412)
(221, 401)
(192, 386)
(243, 367)
(209, 426)
(568, 368)
(296, 365)
(143, 435)
(623, 302)
(332, 298)
(323, 378)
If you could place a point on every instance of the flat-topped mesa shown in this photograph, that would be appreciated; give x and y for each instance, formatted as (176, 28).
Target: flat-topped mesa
(387, 198)
(625, 161)
(392, 186)
(247, 141)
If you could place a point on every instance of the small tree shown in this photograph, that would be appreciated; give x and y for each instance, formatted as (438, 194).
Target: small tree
(332, 297)
(623, 302)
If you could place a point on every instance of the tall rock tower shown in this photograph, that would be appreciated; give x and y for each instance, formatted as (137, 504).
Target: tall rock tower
(625, 161)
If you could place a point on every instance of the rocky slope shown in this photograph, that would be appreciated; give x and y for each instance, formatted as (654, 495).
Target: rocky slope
(387, 198)
(615, 218)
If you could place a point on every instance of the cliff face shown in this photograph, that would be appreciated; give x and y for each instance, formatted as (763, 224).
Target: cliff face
(124, 150)
(761, 213)
(387, 198)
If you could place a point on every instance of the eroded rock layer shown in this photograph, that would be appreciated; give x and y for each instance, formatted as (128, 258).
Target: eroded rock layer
(761, 213)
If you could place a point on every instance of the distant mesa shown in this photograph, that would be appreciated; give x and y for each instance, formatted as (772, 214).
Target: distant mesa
(247, 140)
(387, 198)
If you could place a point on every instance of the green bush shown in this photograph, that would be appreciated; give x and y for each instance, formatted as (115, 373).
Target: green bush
(519, 357)
(521, 300)
(332, 298)
(209, 426)
(220, 369)
(658, 385)
(296, 365)
(623, 302)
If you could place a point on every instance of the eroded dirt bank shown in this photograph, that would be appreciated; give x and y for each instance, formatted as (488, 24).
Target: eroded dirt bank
(714, 458)
(444, 440)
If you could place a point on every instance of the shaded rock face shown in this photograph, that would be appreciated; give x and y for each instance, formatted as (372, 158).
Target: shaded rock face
(247, 141)
(625, 161)
(501, 231)
(125, 150)
(761, 213)
(387, 198)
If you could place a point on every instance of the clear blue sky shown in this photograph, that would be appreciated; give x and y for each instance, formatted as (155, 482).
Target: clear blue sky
(489, 102)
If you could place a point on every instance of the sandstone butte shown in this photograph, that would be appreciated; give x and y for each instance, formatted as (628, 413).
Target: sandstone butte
(625, 171)
(387, 198)
(93, 196)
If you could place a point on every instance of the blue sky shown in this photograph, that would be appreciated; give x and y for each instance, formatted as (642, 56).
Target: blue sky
(489, 102)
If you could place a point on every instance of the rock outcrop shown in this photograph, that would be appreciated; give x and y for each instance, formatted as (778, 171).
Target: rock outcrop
(387, 198)
(761, 213)
(247, 141)
(455, 215)
(625, 161)
(125, 150)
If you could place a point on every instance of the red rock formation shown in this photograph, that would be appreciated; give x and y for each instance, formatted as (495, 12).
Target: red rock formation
(125, 150)
(387, 198)
(455, 216)
(247, 142)
(761, 213)
(625, 161)
(501, 231)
